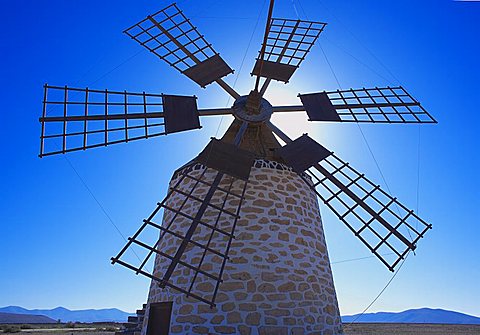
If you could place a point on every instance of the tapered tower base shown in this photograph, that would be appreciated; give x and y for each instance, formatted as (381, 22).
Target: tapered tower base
(278, 279)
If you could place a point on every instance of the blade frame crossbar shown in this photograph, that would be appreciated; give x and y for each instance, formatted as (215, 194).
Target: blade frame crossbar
(184, 174)
(188, 237)
(369, 193)
(211, 237)
(397, 92)
(102, 131)
(152, 215)
(151, 276)
(176, 259)
(229, 242)
(372, 105)
(359, 202)
(267, 81)
(220, 209)
(176, 25)
(197, 219)
(374, 215)
(218, 188)
(357, 233)
(102, 113)
(102, 102)
(152, 250)
(287, 44)
(131, 116)
(180, 64)
(365, 242)
(192, 56)
(264, 44)
(179, 261)
(281, 24)
(156, 225)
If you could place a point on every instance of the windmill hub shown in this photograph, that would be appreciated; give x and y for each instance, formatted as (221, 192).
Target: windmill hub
(244, 112)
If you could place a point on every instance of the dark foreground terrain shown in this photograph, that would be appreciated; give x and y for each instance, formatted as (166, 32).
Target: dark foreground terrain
(356, 329)
(106, 328)
(409, 329)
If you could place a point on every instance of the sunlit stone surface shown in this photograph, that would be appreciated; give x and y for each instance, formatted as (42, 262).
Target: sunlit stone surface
(278, 280)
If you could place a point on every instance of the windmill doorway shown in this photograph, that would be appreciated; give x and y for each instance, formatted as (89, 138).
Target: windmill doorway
(159, 318)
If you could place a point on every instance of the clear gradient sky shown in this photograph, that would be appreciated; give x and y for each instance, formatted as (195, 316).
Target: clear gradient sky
(56, 239)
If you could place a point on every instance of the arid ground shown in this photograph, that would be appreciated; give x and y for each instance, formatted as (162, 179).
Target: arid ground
(410, 329)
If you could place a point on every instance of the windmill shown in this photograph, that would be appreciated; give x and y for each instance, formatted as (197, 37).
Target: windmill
(237, 244)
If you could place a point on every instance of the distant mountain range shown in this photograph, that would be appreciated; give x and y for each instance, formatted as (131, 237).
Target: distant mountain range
(422, 315)
(66, 315)
(23, 318)
(15, 314)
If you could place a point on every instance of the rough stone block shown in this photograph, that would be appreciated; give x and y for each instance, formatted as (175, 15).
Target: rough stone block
(225, 329)
(269, 330)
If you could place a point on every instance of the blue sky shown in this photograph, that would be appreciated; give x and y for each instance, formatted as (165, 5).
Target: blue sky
(57, 239)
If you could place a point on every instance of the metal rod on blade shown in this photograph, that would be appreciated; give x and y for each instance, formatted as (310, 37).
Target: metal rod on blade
(240, 133)
(44, 114)
(227, 88)
(85, 121)
(264, 45)
(347, 191)
(301, 108)
(215, 111)
(198, 217)
(280, 56)
(284, 137)
(362, 204)
(296, 108)
(152, 115)
(219, 81)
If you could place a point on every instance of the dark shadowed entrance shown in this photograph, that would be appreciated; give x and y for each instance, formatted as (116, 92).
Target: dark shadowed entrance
(159, 318)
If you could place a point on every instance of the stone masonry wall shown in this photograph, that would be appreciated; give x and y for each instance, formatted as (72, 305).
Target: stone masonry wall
(278, 279)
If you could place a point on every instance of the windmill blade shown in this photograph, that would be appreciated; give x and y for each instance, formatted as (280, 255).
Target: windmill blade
(372, 105)
(389, 229)
(170, 35)
(287, 44)
(78, 119)
(189, 242)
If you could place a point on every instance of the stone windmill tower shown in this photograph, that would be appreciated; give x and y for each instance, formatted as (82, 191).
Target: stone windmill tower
(237, 245)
